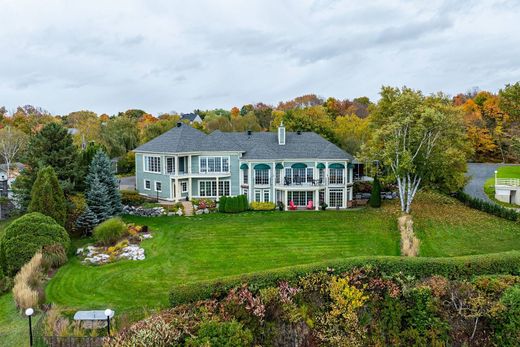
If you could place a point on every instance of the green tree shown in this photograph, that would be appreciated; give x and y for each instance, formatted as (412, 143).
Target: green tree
(52, 146)
(510, 100)
(47, 196)
(420, 140)
(98, 200)
(83, 163)
(120, 135)
(87, 222)
(375, 195)
(101, 170)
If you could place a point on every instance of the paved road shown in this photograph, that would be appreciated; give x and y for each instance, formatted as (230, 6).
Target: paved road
(479, 173)
(127, 183)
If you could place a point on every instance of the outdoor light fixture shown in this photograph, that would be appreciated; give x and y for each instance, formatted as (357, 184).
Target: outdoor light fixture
(108, 313)
(29, 312)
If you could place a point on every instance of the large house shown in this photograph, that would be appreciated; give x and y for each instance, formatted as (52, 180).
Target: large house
(296, 167)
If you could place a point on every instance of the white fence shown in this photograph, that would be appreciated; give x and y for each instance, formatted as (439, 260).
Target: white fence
(512, 182)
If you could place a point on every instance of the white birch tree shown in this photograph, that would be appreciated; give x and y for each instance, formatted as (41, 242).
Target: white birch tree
(12, 144)
(419, 140)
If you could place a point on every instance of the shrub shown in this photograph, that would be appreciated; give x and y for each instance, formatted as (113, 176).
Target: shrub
(375, 195)
(110, 231)
(47, 196)
(215, 333)
(126, 164)
(508, 326)
(420, 267)
(491, 208)
(54, 256)
(262, 206)
(27, 282)
(27, 235)
(132, 198)
(222, 204)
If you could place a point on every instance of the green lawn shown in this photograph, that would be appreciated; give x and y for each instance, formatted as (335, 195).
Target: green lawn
(214, 246)
(503, 172)
(447, 228)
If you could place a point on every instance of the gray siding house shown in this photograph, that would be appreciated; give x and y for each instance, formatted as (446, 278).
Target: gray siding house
(296, 167)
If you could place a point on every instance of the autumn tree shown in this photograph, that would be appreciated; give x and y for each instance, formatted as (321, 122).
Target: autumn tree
(351, 132)
(420, 140)
(120, 135)
(88, 125)
(510, 100)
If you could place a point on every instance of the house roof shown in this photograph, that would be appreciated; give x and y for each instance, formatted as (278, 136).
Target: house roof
(257, 145)
(189, 116)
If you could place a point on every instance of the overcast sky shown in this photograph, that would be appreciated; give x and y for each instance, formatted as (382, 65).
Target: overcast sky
(161, 56)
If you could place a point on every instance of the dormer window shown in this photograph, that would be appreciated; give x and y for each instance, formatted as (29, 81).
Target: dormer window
(281, 135)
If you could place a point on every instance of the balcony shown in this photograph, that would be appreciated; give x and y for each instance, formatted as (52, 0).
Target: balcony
(302, 181)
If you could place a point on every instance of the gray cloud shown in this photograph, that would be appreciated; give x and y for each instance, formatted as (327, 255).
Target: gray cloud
(159, 56)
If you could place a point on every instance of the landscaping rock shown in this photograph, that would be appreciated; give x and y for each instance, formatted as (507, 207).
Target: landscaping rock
(144, 212)
(198, 212)
(179, 212)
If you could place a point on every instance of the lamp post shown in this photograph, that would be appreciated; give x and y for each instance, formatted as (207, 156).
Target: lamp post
(29, 312)
(108, 313)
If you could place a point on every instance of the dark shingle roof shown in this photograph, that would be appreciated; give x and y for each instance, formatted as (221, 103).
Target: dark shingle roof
(189, 116)
(258, 145)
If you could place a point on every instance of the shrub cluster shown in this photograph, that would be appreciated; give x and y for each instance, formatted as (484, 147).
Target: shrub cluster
(420, 267)
(262, 206)
(27, 235)
(110, 231)
(488, 207)
(132, 198)
(233, 204)
(359, 307)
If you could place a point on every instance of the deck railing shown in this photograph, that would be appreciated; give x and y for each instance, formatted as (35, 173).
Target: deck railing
(512, 182)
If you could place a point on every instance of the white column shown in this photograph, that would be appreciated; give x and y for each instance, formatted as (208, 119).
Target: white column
(217, 187)
(176, 197)
(189, 164)
(176, 166)
(189, 188)
(285, 202)
(273, 183)
(316, 200)
(250, 182)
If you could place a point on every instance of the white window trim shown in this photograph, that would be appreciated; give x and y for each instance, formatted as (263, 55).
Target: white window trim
(155, 186)
(217, 188)
(221, 164)
(145, 159)
(144, 184)
(268, 178)
(184, 184)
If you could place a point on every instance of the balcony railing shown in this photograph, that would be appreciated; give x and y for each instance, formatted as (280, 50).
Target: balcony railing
(309, 181)
(512, 182)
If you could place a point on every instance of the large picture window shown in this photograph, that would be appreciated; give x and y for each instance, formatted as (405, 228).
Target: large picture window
(300, 198)
(336, 176)
(214, 164)
(209, 188)
(262, 177)
(152, 164)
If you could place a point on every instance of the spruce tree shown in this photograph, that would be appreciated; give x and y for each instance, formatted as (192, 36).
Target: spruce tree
(47, 196)
(375, 195)
(101, 168)
(87, 221)
(98, 199)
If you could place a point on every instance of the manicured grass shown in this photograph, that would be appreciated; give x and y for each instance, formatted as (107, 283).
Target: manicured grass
(186, 250)
(503, 172)
(14, 329)
(447, 228)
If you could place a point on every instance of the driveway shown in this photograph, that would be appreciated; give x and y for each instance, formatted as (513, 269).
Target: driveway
(127, 183)
(479, 173)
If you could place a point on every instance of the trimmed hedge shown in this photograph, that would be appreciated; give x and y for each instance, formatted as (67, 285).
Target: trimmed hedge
(488, 207)
(233, 204)
(132, 198)
(452, 268)
(27, 235)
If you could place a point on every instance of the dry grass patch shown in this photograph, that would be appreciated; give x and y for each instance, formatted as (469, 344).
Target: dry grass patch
(409, 242)
(27, 283)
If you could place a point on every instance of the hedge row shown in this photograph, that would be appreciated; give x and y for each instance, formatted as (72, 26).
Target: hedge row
(233, 204)
(452, 268)
(488, 207)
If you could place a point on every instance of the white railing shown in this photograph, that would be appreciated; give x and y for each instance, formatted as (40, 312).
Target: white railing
(513, 182)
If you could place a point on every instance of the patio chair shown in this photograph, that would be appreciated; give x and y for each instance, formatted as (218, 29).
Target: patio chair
(292, 206)
(310, 205)
(287, 181)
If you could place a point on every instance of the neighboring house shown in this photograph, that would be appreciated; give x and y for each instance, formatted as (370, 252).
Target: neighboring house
(15, 170)
(185, 163)
(191, 118)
